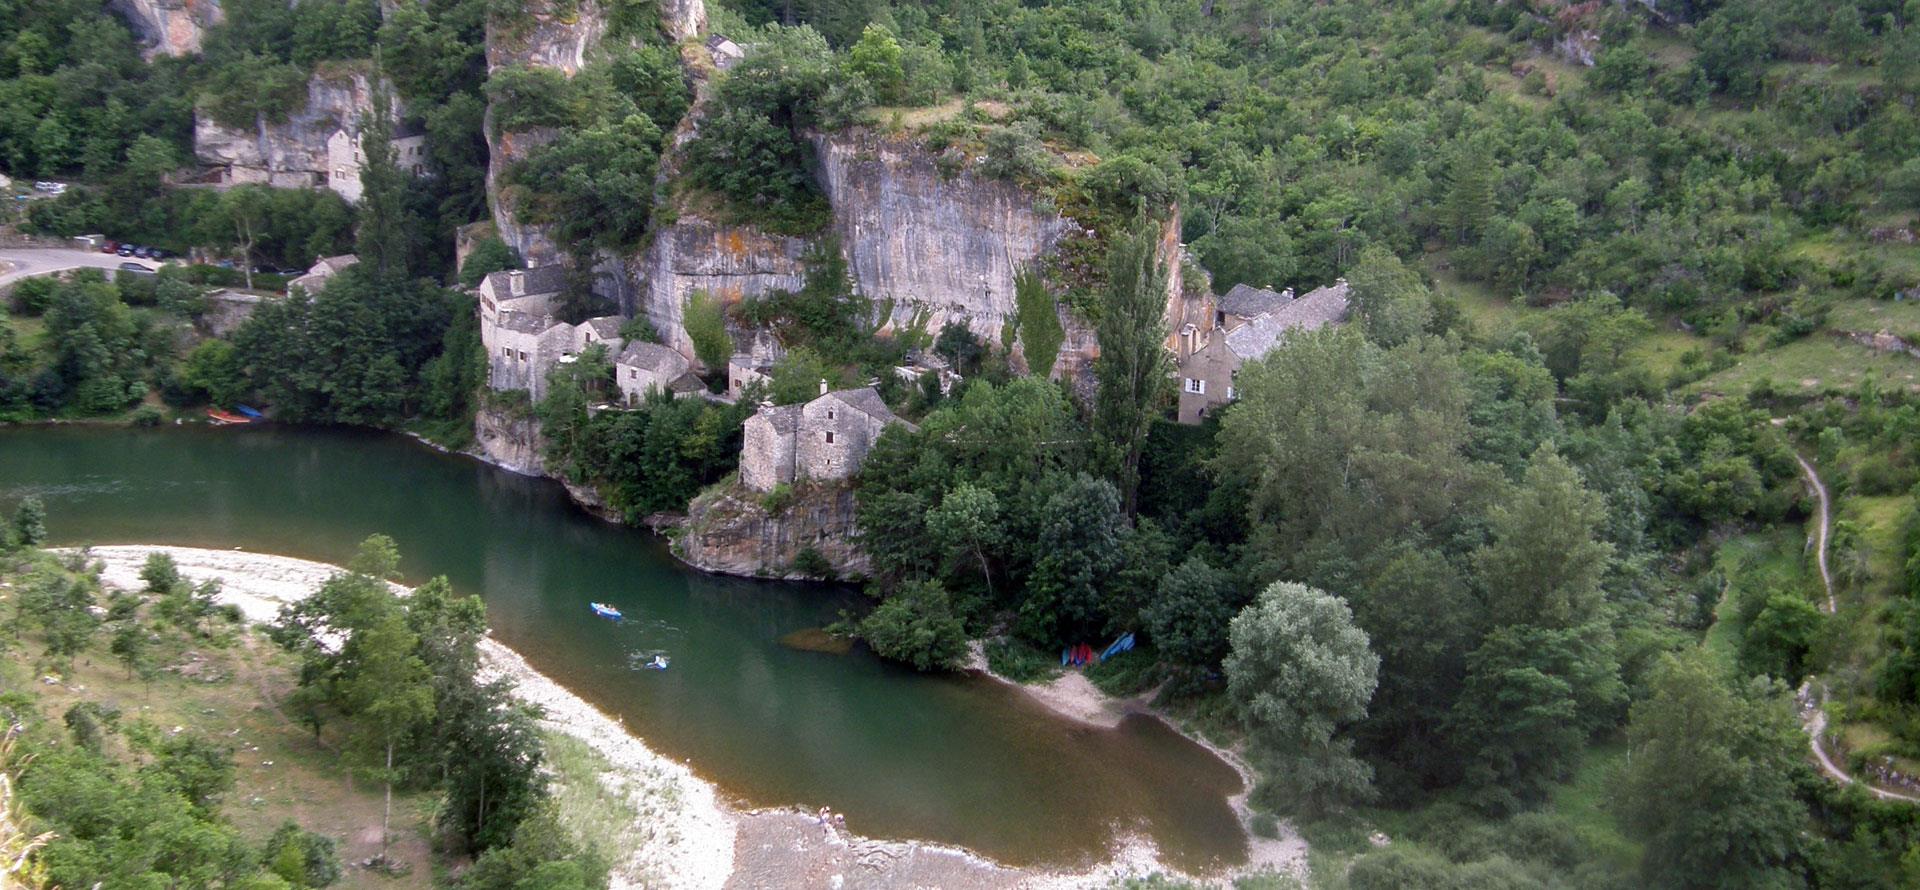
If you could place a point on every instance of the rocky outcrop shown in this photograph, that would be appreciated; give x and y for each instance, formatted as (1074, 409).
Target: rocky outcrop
(169, 27)
(683, 19)
(292, 153)
(934, 247)
(730, 262)
(534, 242)
(730, 530)
(508, 439)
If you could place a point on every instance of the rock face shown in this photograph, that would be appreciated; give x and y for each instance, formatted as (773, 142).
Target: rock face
(508, 440)
(933, 247)
(291, 154)
(729, 262)
(730, 530)
(683, 19)
(169, 27)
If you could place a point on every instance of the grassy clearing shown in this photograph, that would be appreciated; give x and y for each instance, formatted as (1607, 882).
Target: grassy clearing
(1583, 800)
(1020, 662)
(596, 813)
(1129, 673)
(1817, 363)
(1901, 318)
(1772, 559)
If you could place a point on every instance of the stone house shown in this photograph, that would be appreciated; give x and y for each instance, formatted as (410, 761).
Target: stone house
(522, 338)
(753, 364)
(345, 157)
(1207, 370)
(316, 278)
(643, 367)
(823, 440)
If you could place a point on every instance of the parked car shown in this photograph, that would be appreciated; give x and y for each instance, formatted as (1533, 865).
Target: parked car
(156, 254)
(125, 250)
(135, 268)
(109, 246)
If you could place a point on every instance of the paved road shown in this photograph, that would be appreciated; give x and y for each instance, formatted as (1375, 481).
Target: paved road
(25, 262)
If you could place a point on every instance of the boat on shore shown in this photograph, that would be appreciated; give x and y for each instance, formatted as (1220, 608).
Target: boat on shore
(224, 418)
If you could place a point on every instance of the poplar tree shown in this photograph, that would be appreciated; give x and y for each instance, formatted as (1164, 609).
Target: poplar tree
(1132, 368)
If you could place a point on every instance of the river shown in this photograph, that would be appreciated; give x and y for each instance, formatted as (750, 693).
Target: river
(949, 759)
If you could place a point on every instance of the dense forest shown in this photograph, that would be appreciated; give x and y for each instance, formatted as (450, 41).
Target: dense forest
(1511, 567)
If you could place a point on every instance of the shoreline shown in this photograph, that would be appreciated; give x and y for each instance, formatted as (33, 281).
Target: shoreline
(1072, 696)
(686, 831)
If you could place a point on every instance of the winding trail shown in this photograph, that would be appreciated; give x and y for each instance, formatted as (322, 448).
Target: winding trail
(1812, 713)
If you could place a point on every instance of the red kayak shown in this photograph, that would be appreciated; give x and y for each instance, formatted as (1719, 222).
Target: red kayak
(222, 418)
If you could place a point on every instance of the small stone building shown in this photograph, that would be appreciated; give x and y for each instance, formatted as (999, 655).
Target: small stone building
(1207, 373)
(345, 158)
(315, 280)
(825, 439)
(644, 367)
(523, 339)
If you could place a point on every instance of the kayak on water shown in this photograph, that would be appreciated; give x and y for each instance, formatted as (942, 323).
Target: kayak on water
(605, 611)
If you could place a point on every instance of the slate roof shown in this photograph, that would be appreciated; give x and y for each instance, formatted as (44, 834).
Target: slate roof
(653, 357)
(784, 419)
(1248, 301)
(606, 327)
(332, 264)
(866, 399)
(524, 323)
(1321, 307)
(687, 382)
(550, 279)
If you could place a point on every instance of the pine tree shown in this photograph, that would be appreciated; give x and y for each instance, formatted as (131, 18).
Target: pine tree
(388, 227)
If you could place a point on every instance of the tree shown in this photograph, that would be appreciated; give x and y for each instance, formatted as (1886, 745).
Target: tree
(30, 522)
(1709, 783)
(246, 211)
(1038, 320)
(1388, 297)
(1188, 619)
(387, 690)
(876, 57)
(1533, 697)
(130, 645)
(1080, 546)
(967, 520)
(705, 320)
(1544, 564)
(1132, 365)
(389, 229)
(1297, 671)
(916, 625)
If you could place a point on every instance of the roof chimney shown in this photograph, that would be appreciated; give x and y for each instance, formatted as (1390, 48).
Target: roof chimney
(823, 386)
(517, 282)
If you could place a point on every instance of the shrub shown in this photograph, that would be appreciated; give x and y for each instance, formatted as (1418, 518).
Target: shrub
(916, 625)
(813, 564)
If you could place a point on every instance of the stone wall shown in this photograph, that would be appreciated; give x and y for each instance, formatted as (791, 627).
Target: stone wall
(730, 530)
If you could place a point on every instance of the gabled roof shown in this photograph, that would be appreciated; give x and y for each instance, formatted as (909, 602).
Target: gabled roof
(653, 357)
(866, 399)
(606, 327)
(549, 279)
(1248, 301)
(1322, 307)
(524, 323)
(332, 264)
(784, 419)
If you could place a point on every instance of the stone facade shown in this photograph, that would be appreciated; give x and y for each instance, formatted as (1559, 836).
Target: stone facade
(823, 440)
(522, 338)
(642, 368)
(1209, 366)
(317, 146)
(316, 278)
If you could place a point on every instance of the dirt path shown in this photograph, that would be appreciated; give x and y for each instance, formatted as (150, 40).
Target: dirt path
(1812, 713)
(1821, 530)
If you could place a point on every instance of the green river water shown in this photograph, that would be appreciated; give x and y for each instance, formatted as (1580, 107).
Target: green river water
(955, 760)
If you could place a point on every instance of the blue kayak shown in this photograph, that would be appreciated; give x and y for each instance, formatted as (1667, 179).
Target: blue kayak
(605, 611)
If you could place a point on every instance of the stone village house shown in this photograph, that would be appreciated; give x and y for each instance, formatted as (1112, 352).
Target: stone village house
(1247, 324)
(823, 440)
(345, 158)
(523, 339)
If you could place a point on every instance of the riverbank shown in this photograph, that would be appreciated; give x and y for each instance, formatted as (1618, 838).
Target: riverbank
(1074, 697)
(682, 832)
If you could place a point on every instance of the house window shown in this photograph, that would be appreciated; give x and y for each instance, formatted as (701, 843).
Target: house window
(1196, 386)
(1220, 319)
(829, 437)
(1232, 394)
(523, 355)
(633, 373)
(829, 417)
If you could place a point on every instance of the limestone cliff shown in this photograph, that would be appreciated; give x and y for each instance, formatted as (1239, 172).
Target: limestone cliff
(729, 530)
(729, 262)
(169, 27)
(508, 439)
(291, 153)
(935, 247)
